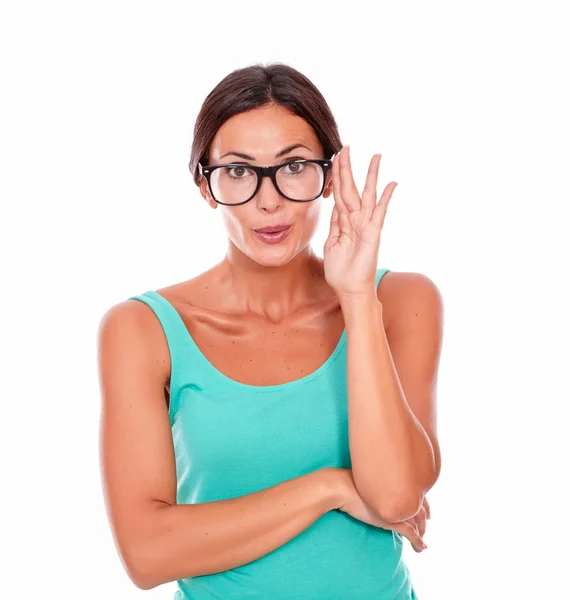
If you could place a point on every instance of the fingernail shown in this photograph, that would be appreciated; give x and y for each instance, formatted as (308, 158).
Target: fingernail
(424, 546)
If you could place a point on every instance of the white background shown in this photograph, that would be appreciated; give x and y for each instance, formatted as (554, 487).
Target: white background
(468, 103)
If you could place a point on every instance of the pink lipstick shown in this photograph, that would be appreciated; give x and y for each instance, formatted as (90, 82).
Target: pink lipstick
(273, 235)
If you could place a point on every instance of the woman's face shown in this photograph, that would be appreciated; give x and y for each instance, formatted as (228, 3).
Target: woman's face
(262, 133)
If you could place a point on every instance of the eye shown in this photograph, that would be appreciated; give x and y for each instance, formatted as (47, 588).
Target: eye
(294, 168)
(239, 172)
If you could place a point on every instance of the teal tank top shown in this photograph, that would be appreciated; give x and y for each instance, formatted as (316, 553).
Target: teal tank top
(232, 439)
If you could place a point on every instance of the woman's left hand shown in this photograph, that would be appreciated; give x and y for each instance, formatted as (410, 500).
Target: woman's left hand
(351, 249)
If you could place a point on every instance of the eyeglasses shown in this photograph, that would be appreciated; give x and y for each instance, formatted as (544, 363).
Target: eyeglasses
(237, 183)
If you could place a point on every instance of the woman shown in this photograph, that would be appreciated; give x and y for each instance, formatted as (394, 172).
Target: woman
(268, 427)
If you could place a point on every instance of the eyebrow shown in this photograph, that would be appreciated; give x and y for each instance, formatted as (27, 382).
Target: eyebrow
(278, 155)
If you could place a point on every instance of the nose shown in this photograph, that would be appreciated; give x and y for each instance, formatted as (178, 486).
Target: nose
(267, 196)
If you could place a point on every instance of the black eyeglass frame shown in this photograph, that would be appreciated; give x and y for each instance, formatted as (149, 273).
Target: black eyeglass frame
(261, 172)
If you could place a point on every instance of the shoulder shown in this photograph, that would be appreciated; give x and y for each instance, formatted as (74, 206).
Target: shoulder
(399, 284)
(129, 319)
(404, 295)
(130, 332)
(133, 322)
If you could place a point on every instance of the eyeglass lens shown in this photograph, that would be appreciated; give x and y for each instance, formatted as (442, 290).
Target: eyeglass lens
(298, 181)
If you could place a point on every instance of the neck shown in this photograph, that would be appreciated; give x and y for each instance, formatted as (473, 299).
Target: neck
(274, 291)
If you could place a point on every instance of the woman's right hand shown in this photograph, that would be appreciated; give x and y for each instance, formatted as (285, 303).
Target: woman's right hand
(352, 504)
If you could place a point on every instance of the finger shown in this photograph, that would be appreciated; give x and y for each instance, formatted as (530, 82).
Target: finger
(342, 208)
(412, 534)
(334, 228)
(427, 507)
(382, 205)
(369, 192)
(350, 195)
(420, 520)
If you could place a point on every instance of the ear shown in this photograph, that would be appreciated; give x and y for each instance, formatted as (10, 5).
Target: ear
(328, 186)
(205, 191)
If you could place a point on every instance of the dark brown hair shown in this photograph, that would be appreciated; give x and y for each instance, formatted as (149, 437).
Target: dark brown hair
(259, 85)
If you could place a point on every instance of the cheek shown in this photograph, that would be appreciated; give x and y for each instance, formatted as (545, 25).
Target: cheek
(313, 216)
(314, 211)
(232, 221)
(306, 223)
(235, 229)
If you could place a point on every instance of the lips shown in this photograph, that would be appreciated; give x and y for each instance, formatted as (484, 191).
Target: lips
(272, 238)
(272, 228)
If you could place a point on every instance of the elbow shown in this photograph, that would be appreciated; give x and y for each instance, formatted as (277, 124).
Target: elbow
(141, 582)
(142, 577)
(404, 507)
(144, 581)
(140, 569)
(392, 508)
(400, 511)
(400, 514)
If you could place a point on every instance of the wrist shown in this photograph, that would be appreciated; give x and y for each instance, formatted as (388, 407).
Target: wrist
(357, 302)
(335, 489)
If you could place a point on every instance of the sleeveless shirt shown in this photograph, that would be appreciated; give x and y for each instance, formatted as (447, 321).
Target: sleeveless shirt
(232, 439)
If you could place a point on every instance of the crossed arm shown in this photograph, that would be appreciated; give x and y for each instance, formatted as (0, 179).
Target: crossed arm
(392, 377)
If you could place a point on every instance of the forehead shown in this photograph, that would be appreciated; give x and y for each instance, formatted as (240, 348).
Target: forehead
(262, 132)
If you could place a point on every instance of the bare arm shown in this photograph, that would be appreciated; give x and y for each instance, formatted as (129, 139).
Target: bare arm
(158, 540)
(392, 388)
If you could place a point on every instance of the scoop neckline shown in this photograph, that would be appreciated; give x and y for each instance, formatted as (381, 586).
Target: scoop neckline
(246, 386)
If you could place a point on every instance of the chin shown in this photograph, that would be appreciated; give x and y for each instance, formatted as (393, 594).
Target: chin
(271, 259)
(269, 255)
